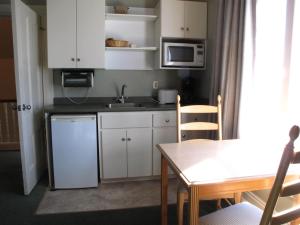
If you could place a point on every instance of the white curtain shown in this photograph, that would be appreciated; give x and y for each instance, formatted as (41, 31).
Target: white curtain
(270, 95)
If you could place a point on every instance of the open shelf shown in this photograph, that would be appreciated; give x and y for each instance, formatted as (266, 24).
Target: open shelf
(130, 17)
(131, 49)
(138, 28)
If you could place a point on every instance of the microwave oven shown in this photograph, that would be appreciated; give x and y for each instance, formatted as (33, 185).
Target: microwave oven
(183, 55)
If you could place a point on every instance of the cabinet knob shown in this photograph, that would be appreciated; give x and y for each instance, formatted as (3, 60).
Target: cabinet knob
(123, 139)
(183, 136)
(128, 139)
(167, 121)
(72, 59)
(196, 119)
(187, 29)
(78, 59)
(182, 28)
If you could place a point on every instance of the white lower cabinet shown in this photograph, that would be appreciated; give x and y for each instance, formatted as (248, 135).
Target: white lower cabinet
(126, 153)
(160, 136)
(128, 140)
(139, 150)
(114, 155)
(164, 131)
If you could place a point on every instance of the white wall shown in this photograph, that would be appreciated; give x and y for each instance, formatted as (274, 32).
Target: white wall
(5, 9)
(46, 73)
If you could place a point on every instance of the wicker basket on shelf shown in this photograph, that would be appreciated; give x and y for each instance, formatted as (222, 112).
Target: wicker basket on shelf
(116, 43)
(121, 9)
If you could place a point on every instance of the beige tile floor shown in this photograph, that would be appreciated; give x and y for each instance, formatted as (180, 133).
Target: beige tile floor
(107, 196)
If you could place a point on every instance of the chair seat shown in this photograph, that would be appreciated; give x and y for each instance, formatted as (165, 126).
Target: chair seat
(239, 214)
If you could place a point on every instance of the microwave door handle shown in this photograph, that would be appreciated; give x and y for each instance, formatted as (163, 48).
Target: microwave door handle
(169, 55)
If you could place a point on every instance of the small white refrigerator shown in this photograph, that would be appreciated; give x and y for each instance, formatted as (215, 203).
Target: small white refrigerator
(74, 151)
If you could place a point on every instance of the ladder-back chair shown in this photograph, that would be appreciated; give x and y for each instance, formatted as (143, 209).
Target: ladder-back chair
(182, 194)
(248, 214)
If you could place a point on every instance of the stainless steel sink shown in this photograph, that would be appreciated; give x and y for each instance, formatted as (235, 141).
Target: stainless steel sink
(125, 105)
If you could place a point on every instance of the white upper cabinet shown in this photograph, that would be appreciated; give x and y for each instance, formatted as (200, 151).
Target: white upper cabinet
(183, 19)
(75, 30)
(172, 18)
(61, 32)
(90, 33)
(195, 19)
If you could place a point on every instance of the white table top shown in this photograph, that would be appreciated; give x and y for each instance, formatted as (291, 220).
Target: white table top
(205, 162)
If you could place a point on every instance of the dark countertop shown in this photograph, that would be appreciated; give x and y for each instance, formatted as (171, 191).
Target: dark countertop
(93, 105)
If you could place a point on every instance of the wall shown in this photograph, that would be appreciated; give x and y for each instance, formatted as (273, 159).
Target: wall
(107, 83)
(46, 73)
(5, 10)
(7, 77)
(9, 138)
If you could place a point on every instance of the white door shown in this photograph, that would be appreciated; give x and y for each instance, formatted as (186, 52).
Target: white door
(195, 19)
(139, 150)
(29, 92)
(61, 31)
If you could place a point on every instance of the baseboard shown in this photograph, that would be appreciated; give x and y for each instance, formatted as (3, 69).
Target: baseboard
(282, 204)
(254, 199)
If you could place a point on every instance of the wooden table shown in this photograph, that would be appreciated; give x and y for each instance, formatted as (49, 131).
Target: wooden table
(212, 168)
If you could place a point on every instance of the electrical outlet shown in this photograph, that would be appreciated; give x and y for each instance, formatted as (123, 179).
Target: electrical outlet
(155, 84)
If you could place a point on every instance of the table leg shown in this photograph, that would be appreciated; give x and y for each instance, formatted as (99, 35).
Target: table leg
(193, 206)
(164, 191)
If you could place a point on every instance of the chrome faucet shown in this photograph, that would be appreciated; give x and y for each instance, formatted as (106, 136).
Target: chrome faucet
(122, 98)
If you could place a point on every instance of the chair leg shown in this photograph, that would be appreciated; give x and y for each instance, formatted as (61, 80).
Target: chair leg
(237, 197)
(180, 203)
(219, 205)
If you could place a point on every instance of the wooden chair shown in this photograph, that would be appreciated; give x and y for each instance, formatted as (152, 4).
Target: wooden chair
(182, 194)
(248, 214)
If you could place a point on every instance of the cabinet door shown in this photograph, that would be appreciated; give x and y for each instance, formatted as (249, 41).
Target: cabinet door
(90, 33)
(61, 33)
(139, 149)
(172, 18)
(114, 155)
(195, 19)
(160, 136)
(164, 119)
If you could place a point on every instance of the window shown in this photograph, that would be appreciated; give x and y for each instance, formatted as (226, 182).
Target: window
(271, 71)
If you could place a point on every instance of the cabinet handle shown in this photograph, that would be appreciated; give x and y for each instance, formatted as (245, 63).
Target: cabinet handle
(167, 121)
(78, 59)
(182, 28)
(128, 139)
(187, 29)
(123, 139)
(72, 59)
